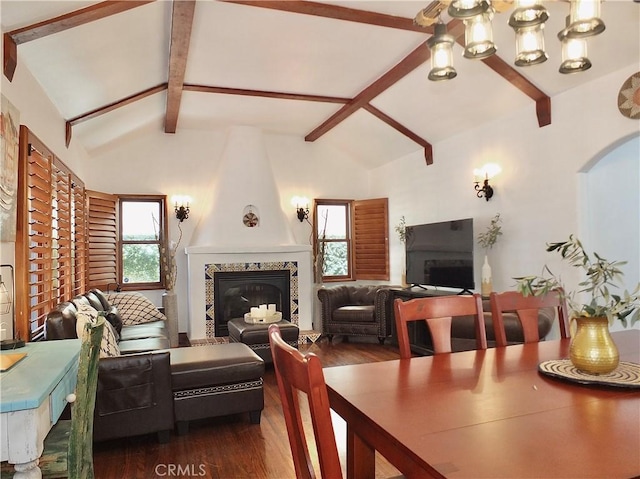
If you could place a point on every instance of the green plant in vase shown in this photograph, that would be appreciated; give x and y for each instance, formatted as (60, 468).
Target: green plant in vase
(487, 239)
(401, 229)
(594, 305)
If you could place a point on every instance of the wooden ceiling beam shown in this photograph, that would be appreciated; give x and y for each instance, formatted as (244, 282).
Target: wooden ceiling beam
(181, 24)
(110, 107)
(412, 61)
(506, 71)
(428, 149)
(337, 12)
(60, 24)
(265, 94)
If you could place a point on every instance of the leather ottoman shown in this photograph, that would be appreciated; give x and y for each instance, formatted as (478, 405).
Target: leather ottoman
(256, 336)
(216, 380)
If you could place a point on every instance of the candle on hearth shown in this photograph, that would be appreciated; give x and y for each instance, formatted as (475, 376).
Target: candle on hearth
(254, 312)
(271, 308)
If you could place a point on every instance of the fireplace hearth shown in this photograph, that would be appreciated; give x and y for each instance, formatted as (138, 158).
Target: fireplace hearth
(205, 262)
(235, 292)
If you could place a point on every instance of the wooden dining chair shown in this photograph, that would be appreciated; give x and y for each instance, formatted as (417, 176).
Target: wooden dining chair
(68, 448)
(527, 309)
(438, 312)
(297, 372)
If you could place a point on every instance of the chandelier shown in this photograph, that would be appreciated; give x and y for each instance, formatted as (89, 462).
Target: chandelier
(527, 20)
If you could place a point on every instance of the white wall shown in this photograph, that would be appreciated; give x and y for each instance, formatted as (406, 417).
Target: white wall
(186, 164)
(612, 209)
(537, 193)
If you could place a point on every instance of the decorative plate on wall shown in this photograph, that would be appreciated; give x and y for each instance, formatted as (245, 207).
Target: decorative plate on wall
(629, 97)
(250, 217)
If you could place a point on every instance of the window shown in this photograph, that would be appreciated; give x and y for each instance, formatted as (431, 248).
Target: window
(333, 239)
(142, 232)
(351, 240)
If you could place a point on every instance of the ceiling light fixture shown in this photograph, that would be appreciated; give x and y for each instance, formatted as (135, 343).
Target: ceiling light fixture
(478, 36)
(584, 19)
(467, 8)
(528, 21)
(441, 46)
(574, 54)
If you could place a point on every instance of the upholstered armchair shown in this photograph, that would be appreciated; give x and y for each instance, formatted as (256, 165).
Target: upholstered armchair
(359, 310)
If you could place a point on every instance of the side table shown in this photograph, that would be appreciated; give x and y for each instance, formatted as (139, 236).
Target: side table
(34, 393)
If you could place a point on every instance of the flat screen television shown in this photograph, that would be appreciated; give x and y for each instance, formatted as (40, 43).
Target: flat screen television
(441, 254)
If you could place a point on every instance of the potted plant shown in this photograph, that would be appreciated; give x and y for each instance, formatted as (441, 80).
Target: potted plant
(401, 229)
(594, 306)
(487, 239)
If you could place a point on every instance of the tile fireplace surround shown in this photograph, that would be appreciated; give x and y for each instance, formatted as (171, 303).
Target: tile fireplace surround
(204, 261)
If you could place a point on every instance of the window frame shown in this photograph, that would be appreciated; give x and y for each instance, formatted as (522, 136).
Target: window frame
(347, 204)
(161, 241)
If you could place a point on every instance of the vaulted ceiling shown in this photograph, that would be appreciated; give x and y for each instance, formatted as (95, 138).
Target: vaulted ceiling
(351, 73)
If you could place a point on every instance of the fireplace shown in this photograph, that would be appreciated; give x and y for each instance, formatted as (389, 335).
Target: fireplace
(235, 292)
(231, 289)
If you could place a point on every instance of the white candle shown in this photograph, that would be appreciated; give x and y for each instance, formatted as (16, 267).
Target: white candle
(254, 312)
(272, 308)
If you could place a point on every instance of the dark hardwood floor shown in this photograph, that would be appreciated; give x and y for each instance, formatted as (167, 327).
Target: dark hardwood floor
(231, 447)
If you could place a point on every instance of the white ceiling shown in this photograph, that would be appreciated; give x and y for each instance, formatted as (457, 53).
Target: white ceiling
(246, 47)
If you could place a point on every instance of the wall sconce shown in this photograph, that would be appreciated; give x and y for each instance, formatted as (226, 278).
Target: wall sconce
(181, 207)
(302, 207)
(487, 172)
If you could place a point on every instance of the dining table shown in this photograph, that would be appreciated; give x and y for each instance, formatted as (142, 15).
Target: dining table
(489, 414)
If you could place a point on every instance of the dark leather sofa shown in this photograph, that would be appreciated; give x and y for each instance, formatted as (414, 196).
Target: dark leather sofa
(367, 310)
(134, 393)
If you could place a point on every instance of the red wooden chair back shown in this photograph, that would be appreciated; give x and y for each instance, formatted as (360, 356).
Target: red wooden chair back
(527, 309)
(438, 312)
(303, 372)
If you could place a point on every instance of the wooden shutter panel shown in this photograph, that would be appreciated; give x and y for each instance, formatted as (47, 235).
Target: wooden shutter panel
(80, 236)
(48, 228)
(39, 227)
(371, 239)
(61, 228)
(102, 240)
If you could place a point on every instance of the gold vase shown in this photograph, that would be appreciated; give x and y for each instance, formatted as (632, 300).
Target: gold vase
(592, 349)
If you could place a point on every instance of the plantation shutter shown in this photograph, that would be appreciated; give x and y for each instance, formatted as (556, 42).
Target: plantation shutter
(371, 239)
(102, 240)
(79, 220)
(39, 177)
(61, 234)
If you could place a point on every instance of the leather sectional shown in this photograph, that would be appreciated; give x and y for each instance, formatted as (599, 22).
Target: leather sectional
(149, 388)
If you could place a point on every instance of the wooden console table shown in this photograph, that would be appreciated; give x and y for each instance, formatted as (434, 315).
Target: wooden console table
(33, 397)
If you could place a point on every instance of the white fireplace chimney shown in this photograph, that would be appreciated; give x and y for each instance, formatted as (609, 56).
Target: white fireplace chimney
(244, 183)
